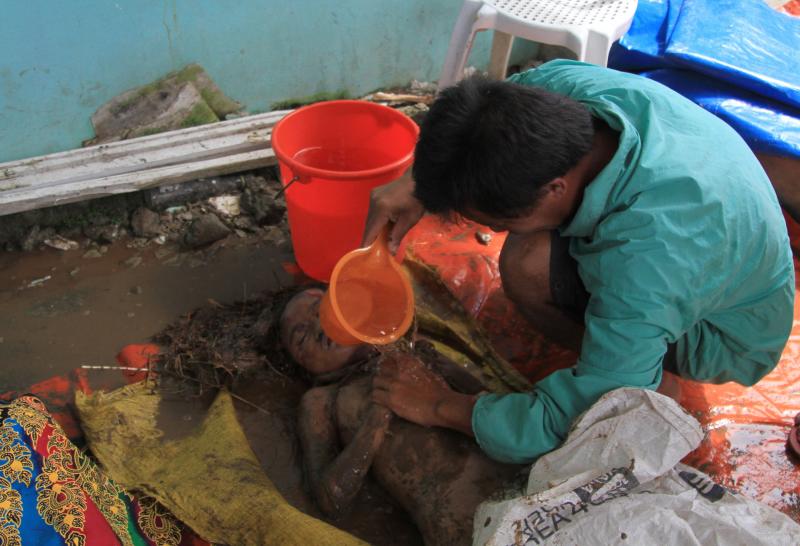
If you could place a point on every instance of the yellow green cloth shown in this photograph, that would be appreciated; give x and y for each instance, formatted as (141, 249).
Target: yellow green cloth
(441, 319)
(211, 480)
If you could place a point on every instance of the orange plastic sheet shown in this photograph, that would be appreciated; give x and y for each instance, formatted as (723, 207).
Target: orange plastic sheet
(746, 428)
(469, 268)
(792, 7)
(58, 394)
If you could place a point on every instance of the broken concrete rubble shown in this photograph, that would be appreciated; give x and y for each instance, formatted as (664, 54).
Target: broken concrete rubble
(263, 205)
(33, 237)
(61, 243)
(205, 230)
(185, 98)
(169, 195)
(226, 205)
(145, 223)
(105, 234)
(107, 220)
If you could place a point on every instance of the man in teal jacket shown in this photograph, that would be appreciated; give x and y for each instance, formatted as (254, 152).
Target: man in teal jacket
(643, 233)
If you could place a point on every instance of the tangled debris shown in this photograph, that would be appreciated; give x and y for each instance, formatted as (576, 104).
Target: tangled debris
(216, 345)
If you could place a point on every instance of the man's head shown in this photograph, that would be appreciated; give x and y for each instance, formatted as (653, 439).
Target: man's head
(497, 153)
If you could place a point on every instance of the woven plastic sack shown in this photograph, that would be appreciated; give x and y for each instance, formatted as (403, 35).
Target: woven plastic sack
(617, 479)
(211, 480)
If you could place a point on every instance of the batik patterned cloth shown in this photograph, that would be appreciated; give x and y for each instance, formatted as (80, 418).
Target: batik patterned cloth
(53, 494)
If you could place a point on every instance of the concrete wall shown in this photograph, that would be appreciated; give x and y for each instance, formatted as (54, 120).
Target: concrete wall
(61, 60)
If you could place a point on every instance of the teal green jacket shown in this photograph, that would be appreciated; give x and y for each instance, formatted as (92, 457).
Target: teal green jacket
(680, 239)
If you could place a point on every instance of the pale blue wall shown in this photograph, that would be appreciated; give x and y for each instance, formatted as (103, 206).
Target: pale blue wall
(60, 60)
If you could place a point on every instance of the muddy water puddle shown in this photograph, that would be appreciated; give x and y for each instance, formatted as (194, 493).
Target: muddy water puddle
(61, 310)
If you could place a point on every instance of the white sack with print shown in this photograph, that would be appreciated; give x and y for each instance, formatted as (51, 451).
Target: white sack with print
(617, 480)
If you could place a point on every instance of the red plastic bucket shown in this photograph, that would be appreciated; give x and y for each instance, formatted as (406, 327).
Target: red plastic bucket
(333, 154)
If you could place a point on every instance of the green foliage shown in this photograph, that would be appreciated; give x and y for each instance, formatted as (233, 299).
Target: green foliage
(186, 74)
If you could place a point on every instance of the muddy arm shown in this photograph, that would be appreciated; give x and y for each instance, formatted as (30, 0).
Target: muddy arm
(336, 477)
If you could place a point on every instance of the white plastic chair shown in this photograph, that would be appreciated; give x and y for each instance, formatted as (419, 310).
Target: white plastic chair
(587, 27)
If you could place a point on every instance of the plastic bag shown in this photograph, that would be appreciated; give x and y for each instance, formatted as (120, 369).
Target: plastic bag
(618, 478)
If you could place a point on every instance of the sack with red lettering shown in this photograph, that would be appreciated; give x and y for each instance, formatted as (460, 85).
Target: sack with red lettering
(617, 479)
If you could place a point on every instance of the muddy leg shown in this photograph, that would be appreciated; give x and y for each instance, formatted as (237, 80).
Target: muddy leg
(784, 173)
(525, 271)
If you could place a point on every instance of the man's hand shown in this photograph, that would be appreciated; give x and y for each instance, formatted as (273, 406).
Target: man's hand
(394, 203)
(415, 393)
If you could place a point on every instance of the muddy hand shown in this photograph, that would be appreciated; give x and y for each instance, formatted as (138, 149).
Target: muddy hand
(393, 203)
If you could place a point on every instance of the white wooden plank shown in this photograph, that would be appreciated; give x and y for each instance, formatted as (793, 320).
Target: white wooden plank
(13, 171)
(37, 197)
(135, 162)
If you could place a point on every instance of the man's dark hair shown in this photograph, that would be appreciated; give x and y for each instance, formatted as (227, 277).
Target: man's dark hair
(490, 146)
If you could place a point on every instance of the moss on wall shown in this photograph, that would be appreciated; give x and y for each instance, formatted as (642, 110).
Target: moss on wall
(200, 114)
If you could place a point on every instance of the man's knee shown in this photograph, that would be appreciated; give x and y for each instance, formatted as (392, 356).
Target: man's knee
(525, 268)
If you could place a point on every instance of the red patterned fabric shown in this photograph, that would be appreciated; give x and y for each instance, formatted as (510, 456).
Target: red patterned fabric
(58, 394)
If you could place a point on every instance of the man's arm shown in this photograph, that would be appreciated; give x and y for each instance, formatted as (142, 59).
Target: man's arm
(627, 324)
(393, 203)
(406, 386)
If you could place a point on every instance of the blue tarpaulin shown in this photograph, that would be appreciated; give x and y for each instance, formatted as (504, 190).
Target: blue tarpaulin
(642, 47)
(743, 42)
(766, 125)
(739, 59)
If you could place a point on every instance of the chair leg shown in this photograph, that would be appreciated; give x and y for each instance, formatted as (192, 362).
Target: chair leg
(460, 44)
(597, 48)
(501, 51)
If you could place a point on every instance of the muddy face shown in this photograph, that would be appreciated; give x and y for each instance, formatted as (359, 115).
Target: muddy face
(305, 340)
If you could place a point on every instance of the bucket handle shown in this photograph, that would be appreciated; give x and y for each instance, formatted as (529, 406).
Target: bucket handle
(294, 179)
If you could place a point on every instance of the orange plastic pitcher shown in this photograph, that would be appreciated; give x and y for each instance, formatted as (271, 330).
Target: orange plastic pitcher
(370, 299)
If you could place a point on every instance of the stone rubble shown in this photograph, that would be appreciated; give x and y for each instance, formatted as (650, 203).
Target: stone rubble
(61, 243)
(205, 230)
(145, 223)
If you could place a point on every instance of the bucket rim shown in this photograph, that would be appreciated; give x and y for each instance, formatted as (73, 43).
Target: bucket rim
(298, 168)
